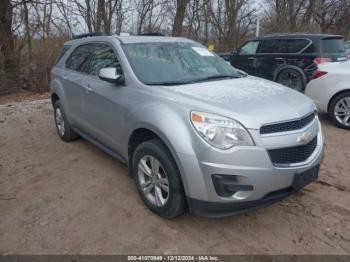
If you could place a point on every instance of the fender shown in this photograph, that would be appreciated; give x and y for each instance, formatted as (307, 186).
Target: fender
(170, 125)
(57, 88)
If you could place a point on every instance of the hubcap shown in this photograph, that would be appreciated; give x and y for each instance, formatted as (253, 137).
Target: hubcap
(342, 111)
(60, 122)
(153, 180)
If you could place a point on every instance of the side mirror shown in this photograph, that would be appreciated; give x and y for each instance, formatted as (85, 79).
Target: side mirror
(234, 52)
(109, 74)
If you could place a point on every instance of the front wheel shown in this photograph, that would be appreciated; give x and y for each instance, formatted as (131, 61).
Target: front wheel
(339, 110)
(292, 79)
(63, 127)
(158, 180)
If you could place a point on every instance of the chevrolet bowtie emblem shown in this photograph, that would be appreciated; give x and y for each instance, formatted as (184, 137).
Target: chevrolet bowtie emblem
(304, 138)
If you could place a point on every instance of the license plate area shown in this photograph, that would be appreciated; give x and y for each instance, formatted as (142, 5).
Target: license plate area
(305, 178)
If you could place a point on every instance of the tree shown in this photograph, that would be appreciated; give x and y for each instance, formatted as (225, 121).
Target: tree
(179, 17)
(7, 45)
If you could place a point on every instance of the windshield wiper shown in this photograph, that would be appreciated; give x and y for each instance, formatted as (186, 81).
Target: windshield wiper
(214, 77)
(174, 83)
(171, 83)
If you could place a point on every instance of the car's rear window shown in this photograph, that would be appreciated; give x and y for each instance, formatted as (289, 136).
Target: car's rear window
(332, 46)
(62, 53)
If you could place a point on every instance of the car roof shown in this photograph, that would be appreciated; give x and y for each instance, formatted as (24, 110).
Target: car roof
(297, 35)
(130, 39)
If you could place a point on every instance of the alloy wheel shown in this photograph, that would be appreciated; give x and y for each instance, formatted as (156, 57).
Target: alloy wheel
(153, 180)
(291, 79)
(342, 111)
(60, 121)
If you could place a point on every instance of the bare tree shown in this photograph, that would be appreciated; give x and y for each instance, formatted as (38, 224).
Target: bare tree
(231, 20)
(7, 45)
(179, 17)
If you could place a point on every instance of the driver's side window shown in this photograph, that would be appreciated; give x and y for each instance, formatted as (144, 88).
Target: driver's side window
(249, 48)
(103, 57)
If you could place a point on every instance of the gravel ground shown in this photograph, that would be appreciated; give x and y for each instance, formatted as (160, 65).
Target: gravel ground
(59, 198)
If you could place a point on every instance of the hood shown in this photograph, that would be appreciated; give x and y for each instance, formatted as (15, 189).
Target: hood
(250, 100)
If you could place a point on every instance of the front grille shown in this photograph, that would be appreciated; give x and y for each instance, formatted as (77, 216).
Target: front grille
(287, 126)
(292, 155)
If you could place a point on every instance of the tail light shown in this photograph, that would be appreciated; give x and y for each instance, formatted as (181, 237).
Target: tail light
(322, 60)
(318, 74)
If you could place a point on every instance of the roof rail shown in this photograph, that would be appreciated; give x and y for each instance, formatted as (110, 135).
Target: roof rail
(88, 35)
(152, 34)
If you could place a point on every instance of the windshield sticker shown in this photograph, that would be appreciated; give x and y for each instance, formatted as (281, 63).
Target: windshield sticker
(202, 51)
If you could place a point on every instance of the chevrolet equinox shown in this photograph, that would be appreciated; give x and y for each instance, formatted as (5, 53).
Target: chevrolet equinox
(196, 134)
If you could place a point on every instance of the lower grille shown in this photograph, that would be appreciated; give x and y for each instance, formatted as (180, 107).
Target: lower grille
(292, 155)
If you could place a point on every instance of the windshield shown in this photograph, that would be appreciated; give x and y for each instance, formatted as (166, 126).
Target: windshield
(333, 46)
(176, 63)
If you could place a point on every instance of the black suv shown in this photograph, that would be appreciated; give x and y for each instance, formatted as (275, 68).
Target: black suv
(289, 59)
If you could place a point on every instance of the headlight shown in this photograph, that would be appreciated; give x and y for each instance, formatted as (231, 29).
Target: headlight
(220, 131)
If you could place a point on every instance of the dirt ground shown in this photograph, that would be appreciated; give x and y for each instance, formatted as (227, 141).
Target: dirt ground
(59, 198)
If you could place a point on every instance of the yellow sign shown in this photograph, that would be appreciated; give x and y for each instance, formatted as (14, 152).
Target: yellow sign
(211, 47)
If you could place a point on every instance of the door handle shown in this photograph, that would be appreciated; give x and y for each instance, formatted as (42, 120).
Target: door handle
(88, 88)
(251, 58)
(279, 58)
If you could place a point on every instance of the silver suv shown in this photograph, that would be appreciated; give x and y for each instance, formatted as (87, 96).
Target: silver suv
(196, 133)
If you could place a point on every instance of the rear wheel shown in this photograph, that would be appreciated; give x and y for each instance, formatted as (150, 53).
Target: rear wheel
(292, 79)
(339, 110)
(158, 180)
(63, 127)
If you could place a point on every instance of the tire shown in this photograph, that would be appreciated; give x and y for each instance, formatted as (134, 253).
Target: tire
(291, 78)
(63, 127)
(339, 110)
(151, 186)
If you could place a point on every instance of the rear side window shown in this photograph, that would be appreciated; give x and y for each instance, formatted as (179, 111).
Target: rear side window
(332, 46)
(293, 46)
(270, 46)
(103, 57)
(347, 45)
(284, 46)
(63, 52)
(79, 60)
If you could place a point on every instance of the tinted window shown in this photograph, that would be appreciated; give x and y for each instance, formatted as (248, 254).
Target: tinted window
(283, 46)
(63, 52)
(249, 48)
(332, 46)
(80, 58)
(347, 45)
(104, 56)
(270, 46)
(292, 46)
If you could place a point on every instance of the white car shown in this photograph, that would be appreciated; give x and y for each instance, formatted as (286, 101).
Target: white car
(330, 90)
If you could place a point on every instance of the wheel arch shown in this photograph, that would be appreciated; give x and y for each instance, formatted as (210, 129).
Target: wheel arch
(54, 98)
(145, 133)
(278, 70)
(335, 95)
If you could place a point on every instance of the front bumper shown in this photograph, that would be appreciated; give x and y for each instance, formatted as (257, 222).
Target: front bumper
(214, 209)
(261, 181)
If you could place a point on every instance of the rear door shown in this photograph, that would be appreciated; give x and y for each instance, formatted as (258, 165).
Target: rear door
(279, 52)
(245, 59)
(333, 47)
(76, 69)
(268, 58)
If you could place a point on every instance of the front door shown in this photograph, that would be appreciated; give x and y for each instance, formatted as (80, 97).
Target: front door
(245, 59)
(102, 101)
